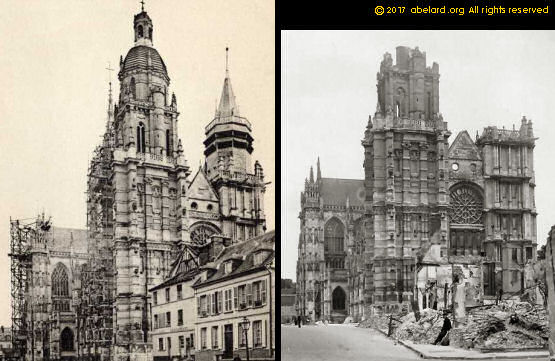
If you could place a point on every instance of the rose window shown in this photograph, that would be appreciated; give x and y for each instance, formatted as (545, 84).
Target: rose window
(466, 206)
(201, 235)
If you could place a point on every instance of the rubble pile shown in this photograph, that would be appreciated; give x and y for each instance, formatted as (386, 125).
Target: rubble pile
(517, 325)
(380, 322)
(424, 330)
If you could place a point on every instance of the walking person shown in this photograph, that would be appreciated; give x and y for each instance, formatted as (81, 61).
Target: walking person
(446, 327)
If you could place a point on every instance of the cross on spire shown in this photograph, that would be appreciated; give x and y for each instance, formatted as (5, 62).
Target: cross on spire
(143, 5)
(109, 68)
(226, 60)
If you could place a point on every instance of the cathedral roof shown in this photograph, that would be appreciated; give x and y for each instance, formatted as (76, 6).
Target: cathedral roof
(137, 58)
(336, 191)
(68, 239)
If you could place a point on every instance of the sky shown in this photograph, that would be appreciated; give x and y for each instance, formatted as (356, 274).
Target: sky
(329, 89)
(55, 88)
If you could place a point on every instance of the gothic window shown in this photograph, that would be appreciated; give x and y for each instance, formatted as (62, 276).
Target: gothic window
(140, 31)
(133, 88)
(334, 235)
(150, 33)
(168, 142)
(66, 340)
(60, 282)
(141, 138)
(466, 206)
(338, 298)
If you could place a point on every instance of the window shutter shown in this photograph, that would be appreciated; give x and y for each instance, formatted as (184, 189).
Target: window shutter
(198, 306)
(220, 297)
(235, 297)
(249, 294)
(263, 291)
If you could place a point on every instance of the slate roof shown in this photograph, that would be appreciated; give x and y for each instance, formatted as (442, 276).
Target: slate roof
(335, 191)
(65, 239)
(244, 250)
(178, 278)
(137, 58)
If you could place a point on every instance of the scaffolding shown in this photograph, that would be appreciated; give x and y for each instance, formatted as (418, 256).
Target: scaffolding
(25, 239)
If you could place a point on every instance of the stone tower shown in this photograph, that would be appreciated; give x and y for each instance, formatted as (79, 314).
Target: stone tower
(405, 164)
(148, 177)
(228, 149)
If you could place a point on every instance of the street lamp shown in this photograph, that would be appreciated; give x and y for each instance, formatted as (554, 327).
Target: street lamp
(245, 323)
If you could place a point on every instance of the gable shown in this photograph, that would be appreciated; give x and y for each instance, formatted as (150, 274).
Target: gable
(464, 148)
(200, 188)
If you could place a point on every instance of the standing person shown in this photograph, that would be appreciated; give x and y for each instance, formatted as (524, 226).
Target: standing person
(446, 327)
(299, 318)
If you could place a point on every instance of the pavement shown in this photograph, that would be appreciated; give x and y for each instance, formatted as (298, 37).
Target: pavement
(348, 342)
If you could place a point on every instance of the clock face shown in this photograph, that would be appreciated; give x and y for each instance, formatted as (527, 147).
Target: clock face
(455, 166)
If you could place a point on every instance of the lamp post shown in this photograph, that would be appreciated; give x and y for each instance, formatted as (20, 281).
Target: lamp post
(245, 323)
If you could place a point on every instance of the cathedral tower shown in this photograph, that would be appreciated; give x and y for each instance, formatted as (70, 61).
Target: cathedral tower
(405, 176)
(148, 179)
(228, 149)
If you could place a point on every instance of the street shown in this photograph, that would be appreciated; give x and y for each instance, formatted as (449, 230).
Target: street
(342, 342)
(339, 342)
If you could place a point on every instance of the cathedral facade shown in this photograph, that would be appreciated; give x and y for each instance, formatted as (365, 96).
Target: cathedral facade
(432, 214)
(147, 213)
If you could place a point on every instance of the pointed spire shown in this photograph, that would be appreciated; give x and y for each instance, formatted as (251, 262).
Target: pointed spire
(110, 100)
(227, 106)
(318, 173)
(311, 175)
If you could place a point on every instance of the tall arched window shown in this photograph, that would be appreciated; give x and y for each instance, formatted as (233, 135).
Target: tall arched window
(60, 281)
(140, 31)
(334, 235)
(66, 340)
(168, 152)
(150, 33)
(133, 88)
(141, 138)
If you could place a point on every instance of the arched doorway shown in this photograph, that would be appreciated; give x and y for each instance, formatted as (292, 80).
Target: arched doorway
(338, 299)
(66, 340)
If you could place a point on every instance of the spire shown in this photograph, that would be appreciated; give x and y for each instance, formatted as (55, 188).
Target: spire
(110, 100)
(227, 106)
(318, 174)
(311, 175)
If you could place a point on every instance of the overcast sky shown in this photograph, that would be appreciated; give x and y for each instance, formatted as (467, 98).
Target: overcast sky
(55, 87)
(329, 89)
